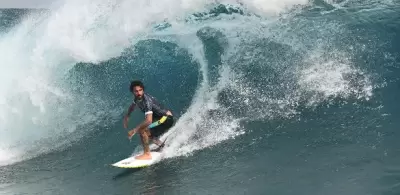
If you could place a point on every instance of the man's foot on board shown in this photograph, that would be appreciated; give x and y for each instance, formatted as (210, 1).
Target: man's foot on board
(143, 157)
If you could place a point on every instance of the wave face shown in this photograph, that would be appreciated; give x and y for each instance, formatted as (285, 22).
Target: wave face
(217, 64)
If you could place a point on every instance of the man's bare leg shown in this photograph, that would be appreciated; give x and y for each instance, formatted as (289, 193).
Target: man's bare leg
(144, 135)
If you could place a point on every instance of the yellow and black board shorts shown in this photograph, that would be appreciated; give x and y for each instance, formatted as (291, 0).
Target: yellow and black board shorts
(161, 126)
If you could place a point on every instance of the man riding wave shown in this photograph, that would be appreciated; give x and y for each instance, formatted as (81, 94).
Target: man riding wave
(158, 120)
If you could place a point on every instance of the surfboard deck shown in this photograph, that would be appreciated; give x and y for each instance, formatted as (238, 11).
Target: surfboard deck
(131, 162)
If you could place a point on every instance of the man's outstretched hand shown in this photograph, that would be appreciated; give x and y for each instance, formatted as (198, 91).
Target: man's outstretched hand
(131, 133)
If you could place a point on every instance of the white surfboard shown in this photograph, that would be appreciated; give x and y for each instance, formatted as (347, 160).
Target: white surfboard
(131, 162)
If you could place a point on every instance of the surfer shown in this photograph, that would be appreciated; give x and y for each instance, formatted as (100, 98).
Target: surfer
(158, 120)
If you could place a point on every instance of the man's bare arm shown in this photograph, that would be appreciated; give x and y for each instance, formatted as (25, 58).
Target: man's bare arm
(126, 118)
(146, 122)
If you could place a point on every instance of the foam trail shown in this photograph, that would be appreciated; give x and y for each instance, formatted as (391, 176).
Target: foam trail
(197, 129)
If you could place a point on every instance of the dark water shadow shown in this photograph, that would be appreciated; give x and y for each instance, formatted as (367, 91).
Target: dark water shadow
(126, 173)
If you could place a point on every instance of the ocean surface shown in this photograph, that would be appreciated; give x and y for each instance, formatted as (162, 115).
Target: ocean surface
(272, 97)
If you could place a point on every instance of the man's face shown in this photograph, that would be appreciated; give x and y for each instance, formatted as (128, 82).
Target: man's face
(138, 92)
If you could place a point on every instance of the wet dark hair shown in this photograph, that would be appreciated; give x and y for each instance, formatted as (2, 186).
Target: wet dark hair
(134, 84)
